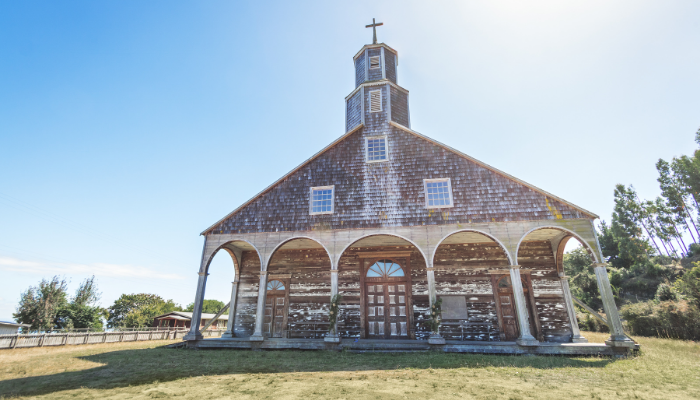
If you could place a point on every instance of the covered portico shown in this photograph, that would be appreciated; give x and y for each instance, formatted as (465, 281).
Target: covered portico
(457, 262)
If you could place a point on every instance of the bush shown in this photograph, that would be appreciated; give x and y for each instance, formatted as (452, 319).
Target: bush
(586, 322)
(665, 293)
(667, 319)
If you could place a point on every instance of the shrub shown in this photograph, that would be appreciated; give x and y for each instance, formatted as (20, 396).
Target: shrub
(665, 293)
(667, 319)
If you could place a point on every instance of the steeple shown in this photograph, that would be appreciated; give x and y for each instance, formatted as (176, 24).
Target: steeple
(377, 95)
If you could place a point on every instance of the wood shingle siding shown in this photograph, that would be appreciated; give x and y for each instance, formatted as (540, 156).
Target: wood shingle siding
(360, 70)
(399, 107)
(392, 193)
(390, 65)
(354, 111)
(375, 74)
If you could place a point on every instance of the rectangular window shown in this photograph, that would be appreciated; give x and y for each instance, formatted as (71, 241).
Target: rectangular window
(374, 62)
(321, 200)
(376, 149)
(375, 100)
(438, 193)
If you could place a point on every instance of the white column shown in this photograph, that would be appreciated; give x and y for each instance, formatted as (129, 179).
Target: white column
(571, 311)
(617, 334)
(260, 314)
(232, 311)
(194, 334)
(525, 338)
(434, 338)
(333, 334)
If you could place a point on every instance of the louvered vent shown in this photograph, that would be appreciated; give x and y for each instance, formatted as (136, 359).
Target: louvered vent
(374, 62)
(375, 101)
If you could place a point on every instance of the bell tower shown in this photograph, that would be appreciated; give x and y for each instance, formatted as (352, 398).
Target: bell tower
(377, 99)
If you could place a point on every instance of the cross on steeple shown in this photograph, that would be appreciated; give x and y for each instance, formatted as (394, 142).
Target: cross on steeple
(374, 26)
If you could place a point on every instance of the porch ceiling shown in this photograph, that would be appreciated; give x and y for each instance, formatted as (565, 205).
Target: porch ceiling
(543, 234)
(240, 245)
(467, 237)
(381, 240)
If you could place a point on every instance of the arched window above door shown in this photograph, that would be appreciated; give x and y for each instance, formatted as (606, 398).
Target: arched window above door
(385, 269)
(505, 283)
(275, 285)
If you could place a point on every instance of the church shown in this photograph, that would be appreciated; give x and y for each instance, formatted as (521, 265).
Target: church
(388, 222)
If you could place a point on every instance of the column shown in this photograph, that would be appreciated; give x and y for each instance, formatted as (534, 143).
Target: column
(617, 334)
(232, 311)
(260, 313)
(333, 334)
(194, 334)
(525, 338)
(569, 302)
(434, 338)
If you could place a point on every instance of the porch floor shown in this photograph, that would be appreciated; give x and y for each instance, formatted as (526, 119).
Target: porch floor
(374, 345)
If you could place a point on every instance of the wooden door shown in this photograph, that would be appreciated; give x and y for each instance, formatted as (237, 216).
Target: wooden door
(510, 323)
(506, 305)
(275, 309)
(386, 301)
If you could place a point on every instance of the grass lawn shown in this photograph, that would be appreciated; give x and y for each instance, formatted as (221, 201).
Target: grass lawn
(665, 369)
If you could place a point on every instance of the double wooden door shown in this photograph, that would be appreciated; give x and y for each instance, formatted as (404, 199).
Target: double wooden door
(386, 310)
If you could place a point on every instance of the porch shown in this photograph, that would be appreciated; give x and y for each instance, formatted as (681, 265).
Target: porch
(407, 345)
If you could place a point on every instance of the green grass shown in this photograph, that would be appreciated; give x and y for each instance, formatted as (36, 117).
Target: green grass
(665, 369)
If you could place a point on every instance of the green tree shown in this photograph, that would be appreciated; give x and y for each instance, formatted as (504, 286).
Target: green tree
(208, 306)
(41, 305)
(689, 285)
(138, 310)
(632, 246)
(83, 310)
(579, 266)
(672, 191)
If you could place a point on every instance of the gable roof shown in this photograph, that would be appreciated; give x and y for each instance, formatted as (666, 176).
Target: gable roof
(416, 134)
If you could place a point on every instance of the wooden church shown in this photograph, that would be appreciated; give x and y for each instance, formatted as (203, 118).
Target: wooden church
(393, 220)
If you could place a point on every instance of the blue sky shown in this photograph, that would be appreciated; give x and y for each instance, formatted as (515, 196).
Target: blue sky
(127, 128)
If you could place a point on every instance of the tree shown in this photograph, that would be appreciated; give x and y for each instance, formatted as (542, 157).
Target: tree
(138, 310)
(632, 246)
(40, 305)
(208, 306)
(673, 193)
(83, 310)
(579, 266)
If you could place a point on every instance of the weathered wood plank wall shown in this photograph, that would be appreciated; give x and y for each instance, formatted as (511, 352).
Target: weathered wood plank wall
(549, 297)
(247, 301)
(309, 290)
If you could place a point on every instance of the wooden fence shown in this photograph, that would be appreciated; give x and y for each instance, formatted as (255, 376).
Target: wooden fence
(75, 338)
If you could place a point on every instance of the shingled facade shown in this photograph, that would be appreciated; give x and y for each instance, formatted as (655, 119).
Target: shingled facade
(393, 220)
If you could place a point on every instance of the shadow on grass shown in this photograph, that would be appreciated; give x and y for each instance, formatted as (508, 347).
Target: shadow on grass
(146, 366)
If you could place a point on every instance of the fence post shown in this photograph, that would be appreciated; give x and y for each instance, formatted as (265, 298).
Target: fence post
(121, 336)
(14, 342)
(65, 339)
(42, 339)
(150, 335)
(87, 337)
(104, 339)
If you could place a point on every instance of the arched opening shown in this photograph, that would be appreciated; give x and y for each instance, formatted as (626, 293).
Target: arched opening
(241, 290)
(383, 281)
(467, 267)
(541, 253)
(298, 291)
(223, 267)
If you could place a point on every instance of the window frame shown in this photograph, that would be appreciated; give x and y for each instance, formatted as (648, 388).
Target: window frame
(379, 62)
(386, 148)
(449, 188)
(311, 199)
(380, 101)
